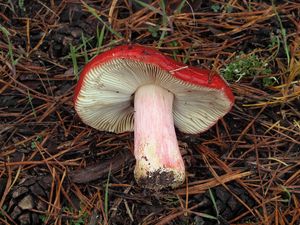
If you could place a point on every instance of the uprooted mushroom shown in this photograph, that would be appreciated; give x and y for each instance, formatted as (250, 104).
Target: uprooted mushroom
(134, 88)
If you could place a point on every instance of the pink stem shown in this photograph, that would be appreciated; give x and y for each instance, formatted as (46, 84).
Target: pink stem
(159, 163)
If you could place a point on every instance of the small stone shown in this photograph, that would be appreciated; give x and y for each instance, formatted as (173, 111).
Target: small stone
(35, 219)
(16, 212)
(41, 205)
(26, 202)
(222, 193)
(37, 190)
(27, 181)
(21, 190)
(24, 219)
(76, 33)
(45, 182)
(232, 203)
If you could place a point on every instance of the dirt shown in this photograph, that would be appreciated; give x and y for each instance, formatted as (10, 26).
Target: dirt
(155, 180)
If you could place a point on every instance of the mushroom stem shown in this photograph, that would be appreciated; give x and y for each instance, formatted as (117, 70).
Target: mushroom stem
(159, 163)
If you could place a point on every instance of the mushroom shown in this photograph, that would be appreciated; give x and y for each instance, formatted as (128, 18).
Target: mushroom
(134, 88)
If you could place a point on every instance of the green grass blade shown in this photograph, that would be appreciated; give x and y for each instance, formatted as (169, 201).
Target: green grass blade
(213, 201)
(10, 47)
(106, 196)
(283, 34)
(95, 14)
(100, 39)
(31, 104)
(180, 6)
(150, 7)
(74, 61)
(86, 59)
(164, 21)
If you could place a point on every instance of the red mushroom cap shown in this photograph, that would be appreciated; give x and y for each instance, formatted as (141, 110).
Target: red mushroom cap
(201, 97)
(179, 70)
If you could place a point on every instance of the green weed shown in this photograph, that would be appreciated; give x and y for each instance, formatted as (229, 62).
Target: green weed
(43, 218)
(10, 47)
(153, 30)
(218, 8)
(4, 207)
(215, 8)
(73, 54)
(78, 221)
(180, 6)
(38, 139)
(212, 198)
(248, 66)
(31, 104)
(84, 46)
(165, 20)
(95, 14)
(283, 35)
(100, 39)
(187, 56)
(287, 197)
(106, 196)
(82, 49)
(175, 52)
(21, 4)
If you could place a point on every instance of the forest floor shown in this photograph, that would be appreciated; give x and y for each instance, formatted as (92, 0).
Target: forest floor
(54, 169)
